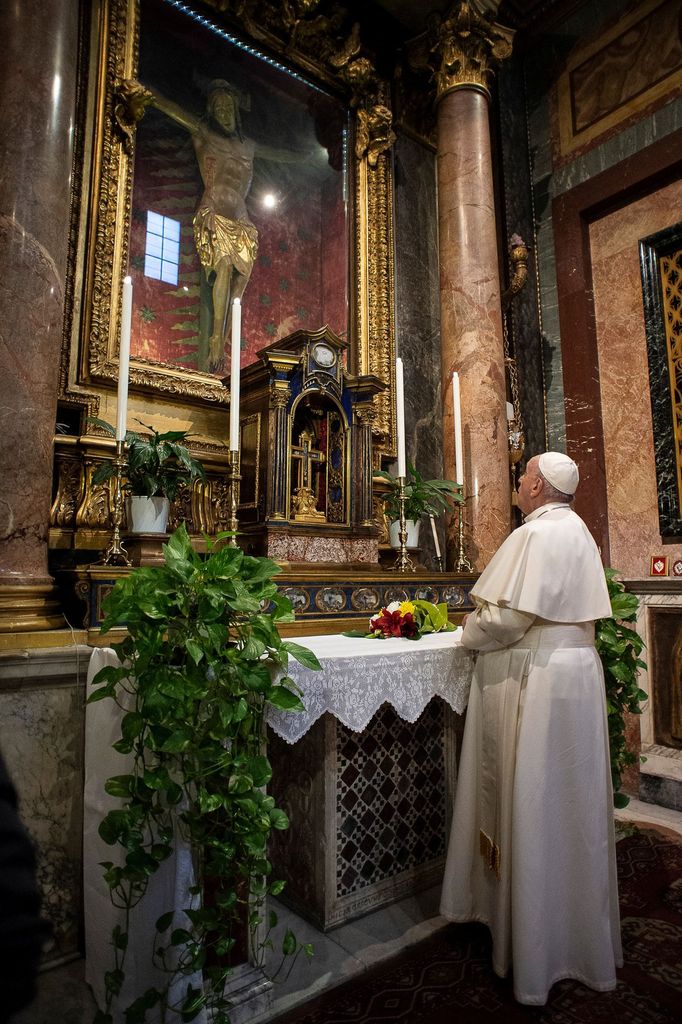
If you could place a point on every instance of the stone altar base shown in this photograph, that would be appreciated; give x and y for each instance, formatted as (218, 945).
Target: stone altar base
(369, 811)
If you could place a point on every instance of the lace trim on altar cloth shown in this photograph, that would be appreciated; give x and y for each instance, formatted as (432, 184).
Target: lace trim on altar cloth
(353, 688)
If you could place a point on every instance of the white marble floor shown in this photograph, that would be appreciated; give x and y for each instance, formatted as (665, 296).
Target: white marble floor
(347, 951)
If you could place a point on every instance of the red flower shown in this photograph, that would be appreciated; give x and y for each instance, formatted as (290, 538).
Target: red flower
(395, 624)
(410, 625)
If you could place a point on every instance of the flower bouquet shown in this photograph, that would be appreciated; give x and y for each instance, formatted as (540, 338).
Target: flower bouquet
(408, 619)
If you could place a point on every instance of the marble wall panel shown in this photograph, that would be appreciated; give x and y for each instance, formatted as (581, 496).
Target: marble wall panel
(418, 311)
(624, 378)
(42, 742)
(542, 63)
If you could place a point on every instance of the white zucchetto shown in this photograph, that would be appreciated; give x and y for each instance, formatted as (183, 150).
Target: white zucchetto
(559, 471)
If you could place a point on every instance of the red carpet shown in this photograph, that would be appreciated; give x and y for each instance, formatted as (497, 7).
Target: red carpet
(447, 979)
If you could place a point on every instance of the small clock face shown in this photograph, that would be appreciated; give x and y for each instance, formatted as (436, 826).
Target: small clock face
(324, 355)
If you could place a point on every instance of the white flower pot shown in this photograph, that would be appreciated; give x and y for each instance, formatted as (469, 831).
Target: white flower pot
(412, 533)
(147, 515)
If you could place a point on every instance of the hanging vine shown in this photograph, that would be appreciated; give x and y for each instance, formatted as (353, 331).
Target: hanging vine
(201, 661)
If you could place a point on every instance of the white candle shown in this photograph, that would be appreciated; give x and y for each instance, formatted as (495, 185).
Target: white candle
(235, 370)
(124, 359)
(434, 531)
(457, 411)
(400, 415)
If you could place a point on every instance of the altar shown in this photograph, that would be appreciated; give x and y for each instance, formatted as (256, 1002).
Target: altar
(366, 773)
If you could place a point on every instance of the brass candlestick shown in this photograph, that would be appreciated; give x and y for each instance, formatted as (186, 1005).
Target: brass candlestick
(403, 562)
(462, 564)
(233, 476)
(115, 553)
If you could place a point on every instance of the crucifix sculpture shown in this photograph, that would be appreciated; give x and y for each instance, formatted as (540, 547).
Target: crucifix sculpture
(304, 499)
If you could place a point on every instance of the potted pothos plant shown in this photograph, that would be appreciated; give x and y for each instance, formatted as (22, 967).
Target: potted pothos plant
(201, 662)
(422, 497)
(619, 647)
(157, 464)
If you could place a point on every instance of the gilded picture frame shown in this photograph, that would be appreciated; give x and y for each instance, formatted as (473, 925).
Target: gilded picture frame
(118, 108)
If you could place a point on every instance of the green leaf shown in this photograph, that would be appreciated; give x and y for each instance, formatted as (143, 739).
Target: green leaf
(178, 741)
(283, 609)
(260, 770)
(620, 800)
(285, 699)
(114, 825)
(195, 650)
(253, 649)
(113, 980)
(278, 819)
(305, 657)
(136, 1013)
(104, 691)
(119, 785)
(132, 725)
(164, 921)
(179, 936)
(195, 1000)
(289, 943)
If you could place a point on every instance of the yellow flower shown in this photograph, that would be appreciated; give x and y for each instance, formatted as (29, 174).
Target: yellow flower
(407, 608)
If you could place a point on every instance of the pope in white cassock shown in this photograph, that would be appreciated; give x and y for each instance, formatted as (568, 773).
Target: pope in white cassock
(532, 848)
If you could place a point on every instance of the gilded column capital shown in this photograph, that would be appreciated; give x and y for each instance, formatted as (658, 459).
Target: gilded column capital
(365, 414)
(469, 46)
(279, 395)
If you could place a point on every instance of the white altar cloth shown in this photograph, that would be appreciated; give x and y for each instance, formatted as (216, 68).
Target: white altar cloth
(359, 675)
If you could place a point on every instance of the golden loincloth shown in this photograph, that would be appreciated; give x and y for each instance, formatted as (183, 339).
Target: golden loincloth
(231, 240)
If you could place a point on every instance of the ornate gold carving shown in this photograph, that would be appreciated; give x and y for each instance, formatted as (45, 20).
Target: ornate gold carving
(518, 269)
(365, 414)
(181, 508)
(380, 520)
(119, 108)
(374, 307)
(70, 481)
(468, 47)
(131, 99)
(303, 505)
(374, 134)
(220, 504)
(94, 509)
(279, 395)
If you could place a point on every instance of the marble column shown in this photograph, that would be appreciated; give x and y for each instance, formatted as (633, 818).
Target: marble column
(471, 318)
(37, 118)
